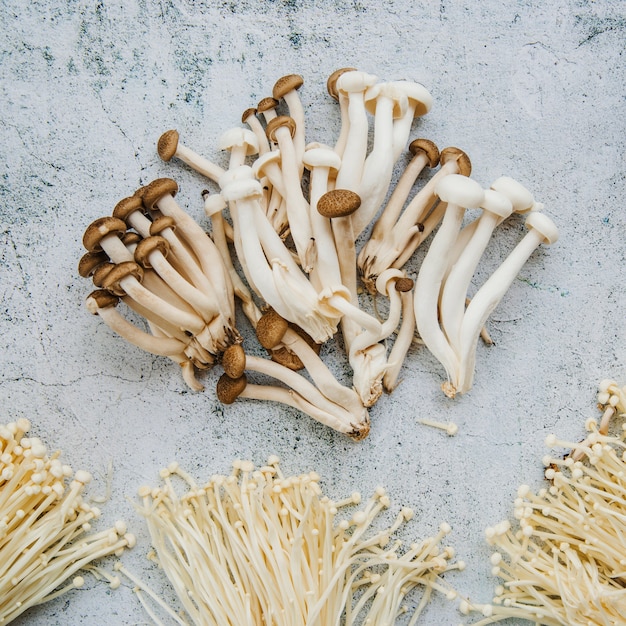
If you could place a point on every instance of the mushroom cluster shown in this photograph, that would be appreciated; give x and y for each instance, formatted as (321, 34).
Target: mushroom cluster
(259, 547)
(565, 562)
(309, 223)
(44, 525)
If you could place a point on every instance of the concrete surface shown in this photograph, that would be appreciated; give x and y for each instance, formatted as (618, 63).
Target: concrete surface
(529, 89)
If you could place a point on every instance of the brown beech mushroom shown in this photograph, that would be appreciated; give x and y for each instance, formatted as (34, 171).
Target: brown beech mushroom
(169, 147)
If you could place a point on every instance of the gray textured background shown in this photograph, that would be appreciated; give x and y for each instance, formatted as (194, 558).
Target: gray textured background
(534, 92)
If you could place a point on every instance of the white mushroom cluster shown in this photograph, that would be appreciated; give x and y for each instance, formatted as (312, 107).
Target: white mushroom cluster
(45, 524)
(308, 223)
(564, 562)
(259, 547)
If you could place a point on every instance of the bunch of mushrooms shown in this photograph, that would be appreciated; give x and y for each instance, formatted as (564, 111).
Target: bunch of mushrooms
(564, 562)
(45, 538)
(308, 222)
(259, 547)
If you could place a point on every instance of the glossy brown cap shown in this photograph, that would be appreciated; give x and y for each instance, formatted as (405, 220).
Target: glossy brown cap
(155, 190)
(404, 284)
(127, 206)
(234, 361)
(149, 245)
(119, 272)
(285, 84)
(168, 144)
(90, 261)
(229, 389)
(270, 329)
(100, 228)
(247, 114)
(338, 203)
(426, 146)
(331, 83)
(266, 104)
(100, 299)
(161, 223)
(100, 274)
(278, 122)
(463, 161)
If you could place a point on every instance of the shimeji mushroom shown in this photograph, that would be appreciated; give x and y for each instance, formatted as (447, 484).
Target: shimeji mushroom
(564, 562)
(351, 419)
(397, 234)
(45, 524)
(258, 547)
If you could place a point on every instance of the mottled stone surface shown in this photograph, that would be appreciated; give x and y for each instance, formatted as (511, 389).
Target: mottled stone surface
(530, 89)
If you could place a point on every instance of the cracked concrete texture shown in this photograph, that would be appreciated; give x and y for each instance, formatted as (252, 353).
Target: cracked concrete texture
(531, 91)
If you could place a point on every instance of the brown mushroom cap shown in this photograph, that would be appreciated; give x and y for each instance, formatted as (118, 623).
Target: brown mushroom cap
(161, 223)
(100, 228)
(147, 246)
(331, 83)
(428, 148)
(130, 237)
(155, 190)
(270, 329)
(404, 284)
(120, 271)
(289, 359)
(248, 113)
(228, 389)
(266, 104)
(278, 122)
(234, 361)
(90, 261)
(285, 84)
(127, 206)
(100, 299)
(338, 203)
(451, 153)
(100, 273)
(167, 144)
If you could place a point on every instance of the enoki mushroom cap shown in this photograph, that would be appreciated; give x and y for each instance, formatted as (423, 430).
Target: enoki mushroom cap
(234, 361)
(168, 144)
(156, 190)
(270, 329)
(228, 389)
(100, 228)
(147, 246)
(100, 299)
(451, 153)
(279, 122)
(428, 148)
(338, 203)
(285, 84)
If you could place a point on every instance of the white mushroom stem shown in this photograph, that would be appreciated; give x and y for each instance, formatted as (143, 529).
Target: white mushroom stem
(204, 303)
(354, 84)
(241, 142)
(419, 103)
(297, 206)
(273, 272)
(321, 160)
(496, 207)
(204, 248)
(213, 207)
(542, 230)
(458, 192)
(402, 343)
(195, 161)
(304, 388)
(115, 321)
(450, 428)
(388, 104)
(249, 117)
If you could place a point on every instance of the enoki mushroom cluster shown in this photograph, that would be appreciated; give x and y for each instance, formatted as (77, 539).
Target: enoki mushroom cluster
(565, 561)
(258, 547)
(295, 212)
(44, 525)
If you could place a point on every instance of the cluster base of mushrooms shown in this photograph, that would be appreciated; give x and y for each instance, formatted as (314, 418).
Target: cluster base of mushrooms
(294, 212)
(259, 547)
(45, 524)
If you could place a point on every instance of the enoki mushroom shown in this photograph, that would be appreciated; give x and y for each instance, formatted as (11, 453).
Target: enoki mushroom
(258, 547)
